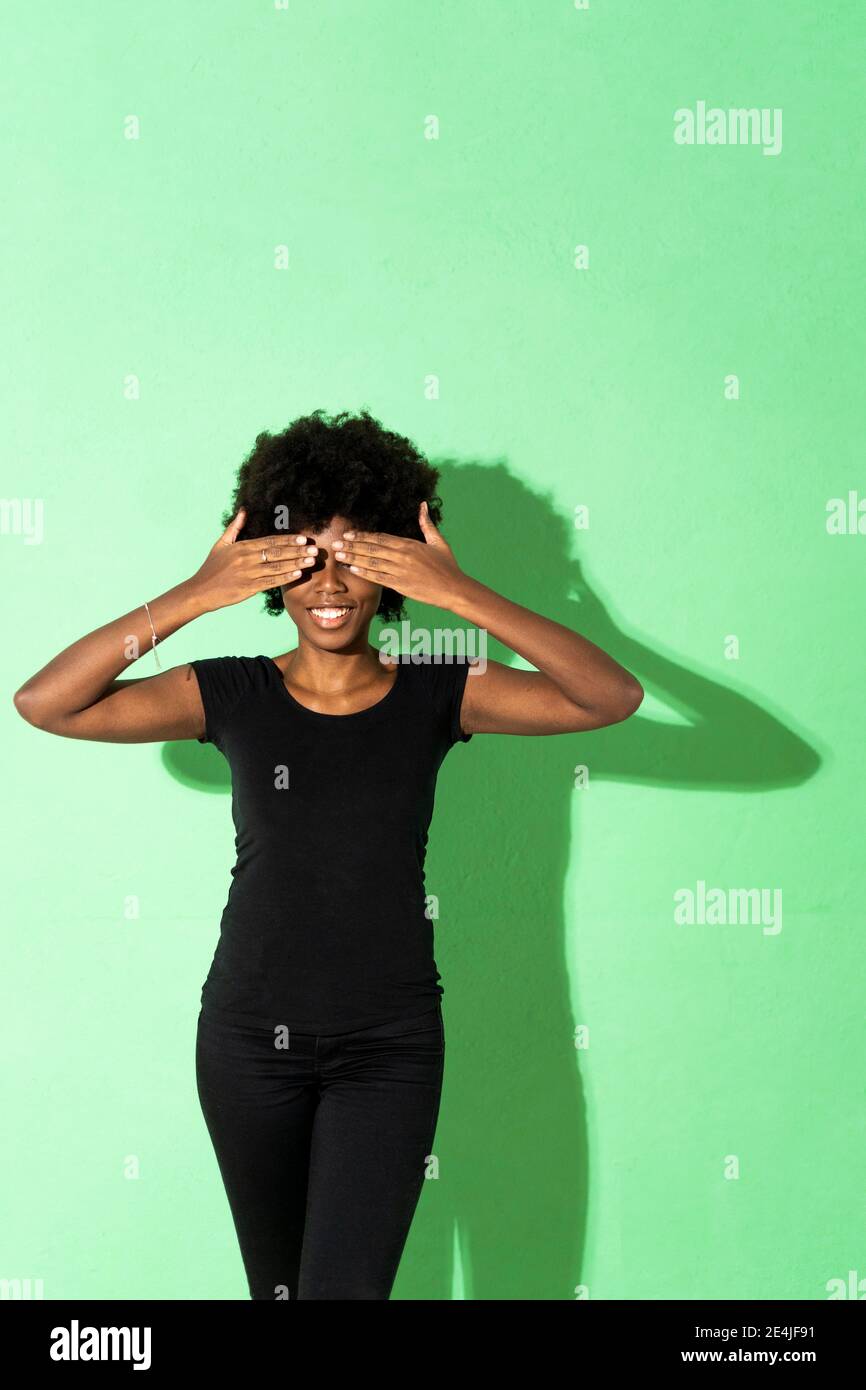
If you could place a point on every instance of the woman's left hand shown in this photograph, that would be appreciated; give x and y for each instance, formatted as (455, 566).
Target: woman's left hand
(424, 570)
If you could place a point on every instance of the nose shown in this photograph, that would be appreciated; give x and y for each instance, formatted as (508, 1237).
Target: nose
(327, 574)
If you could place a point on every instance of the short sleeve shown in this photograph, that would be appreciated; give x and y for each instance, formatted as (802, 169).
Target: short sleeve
(222, 682)
(447, 684)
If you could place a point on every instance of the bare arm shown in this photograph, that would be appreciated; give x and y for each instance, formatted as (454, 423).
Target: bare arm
(577, 685)
(78, 694)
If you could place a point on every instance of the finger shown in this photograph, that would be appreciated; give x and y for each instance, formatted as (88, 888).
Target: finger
(230, 534)
(380, 538)
(379, 560)
(279, 538)
(376, 573)
(431, 532)
(278, 550)
(278, 567)
(275, 575)
(361, 547)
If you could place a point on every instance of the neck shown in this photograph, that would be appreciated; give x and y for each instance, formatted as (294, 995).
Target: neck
(333, 672)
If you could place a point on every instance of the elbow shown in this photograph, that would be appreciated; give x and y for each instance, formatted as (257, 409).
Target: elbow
(635, 696)
(628, 701)
(619, 704)
(28, 707)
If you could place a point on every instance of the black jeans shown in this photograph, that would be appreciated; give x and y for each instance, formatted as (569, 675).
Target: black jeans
(322, 1147)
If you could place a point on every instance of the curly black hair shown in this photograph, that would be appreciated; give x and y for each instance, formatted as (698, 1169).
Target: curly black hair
(346, 465)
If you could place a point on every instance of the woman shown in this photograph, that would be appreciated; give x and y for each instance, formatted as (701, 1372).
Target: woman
(320, 1043)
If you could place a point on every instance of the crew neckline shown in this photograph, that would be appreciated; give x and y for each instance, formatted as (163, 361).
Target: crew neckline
(321, 714)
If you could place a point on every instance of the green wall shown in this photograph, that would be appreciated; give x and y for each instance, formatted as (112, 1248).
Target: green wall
(708, 1142)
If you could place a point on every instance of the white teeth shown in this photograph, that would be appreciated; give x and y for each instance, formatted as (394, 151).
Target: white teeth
(329, 612)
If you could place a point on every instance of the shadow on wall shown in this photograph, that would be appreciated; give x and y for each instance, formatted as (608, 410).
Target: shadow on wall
(512, 1138)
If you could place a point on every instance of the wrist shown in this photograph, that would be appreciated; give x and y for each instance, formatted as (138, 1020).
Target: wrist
(463, 598)
(191, 598)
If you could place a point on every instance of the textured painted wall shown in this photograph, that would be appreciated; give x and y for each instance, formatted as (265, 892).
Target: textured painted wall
(638, 362)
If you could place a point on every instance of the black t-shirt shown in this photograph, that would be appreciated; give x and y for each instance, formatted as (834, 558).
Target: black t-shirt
(325, 929)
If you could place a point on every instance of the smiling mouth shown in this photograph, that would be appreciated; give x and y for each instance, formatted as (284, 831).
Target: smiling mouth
(330, 616)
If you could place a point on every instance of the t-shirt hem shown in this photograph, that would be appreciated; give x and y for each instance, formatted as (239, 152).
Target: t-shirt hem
(321, 1029)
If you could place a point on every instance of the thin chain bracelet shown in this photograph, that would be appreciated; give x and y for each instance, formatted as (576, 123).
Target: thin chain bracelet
(154, 639)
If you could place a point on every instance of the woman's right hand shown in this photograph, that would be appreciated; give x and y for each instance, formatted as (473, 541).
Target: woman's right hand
(235, 570)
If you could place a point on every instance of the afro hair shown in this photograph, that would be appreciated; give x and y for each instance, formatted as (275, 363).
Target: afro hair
(346, 465)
